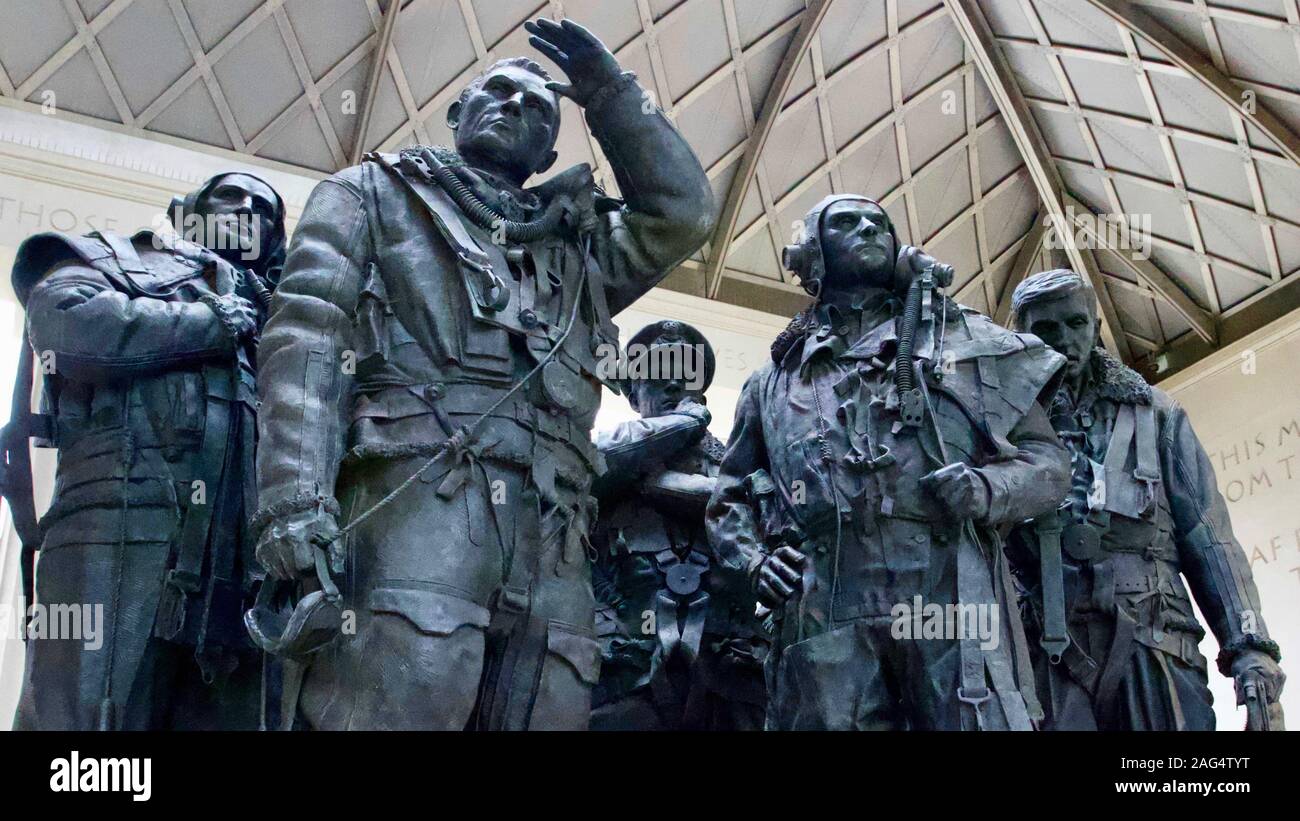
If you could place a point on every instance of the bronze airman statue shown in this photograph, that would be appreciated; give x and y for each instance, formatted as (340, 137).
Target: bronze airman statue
(681, 649)
(1115, 633)
(431, 374)
(871, 464)
(146, 344)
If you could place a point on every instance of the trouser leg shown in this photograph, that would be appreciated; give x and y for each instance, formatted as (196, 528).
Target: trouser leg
(837, 680)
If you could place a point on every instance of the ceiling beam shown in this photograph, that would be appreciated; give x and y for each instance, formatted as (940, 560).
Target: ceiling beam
(1201, 320)
(1202, 70)
(211, 57)
(1029, 140)
(794, 53)
(372, 82)
(1021, 268)
(309, 87)
(204, 67)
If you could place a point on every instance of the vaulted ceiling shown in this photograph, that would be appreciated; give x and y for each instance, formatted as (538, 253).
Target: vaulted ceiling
(1152, 145)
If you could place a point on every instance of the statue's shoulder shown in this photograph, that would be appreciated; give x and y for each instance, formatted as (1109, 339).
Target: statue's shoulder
(139, 264)
(985, 338)
(39, 253)
(1017, 368)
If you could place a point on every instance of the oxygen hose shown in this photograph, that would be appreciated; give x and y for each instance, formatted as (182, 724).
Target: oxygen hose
(260, 290)
(905, 370)
(487, 219)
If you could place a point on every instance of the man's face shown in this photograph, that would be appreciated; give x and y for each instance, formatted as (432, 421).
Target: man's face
(1068, 325)
(857, 246)
(241, 211)
(656, 397)
(510, 120)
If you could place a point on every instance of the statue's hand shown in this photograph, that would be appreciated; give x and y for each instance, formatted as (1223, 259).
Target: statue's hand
(691, 406)
(960, 489)
(287, 547)
(1256, 665)
(237, 314)
(779, 576)
(583, 58)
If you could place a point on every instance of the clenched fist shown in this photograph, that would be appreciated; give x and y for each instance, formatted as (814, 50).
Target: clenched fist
(779, 576)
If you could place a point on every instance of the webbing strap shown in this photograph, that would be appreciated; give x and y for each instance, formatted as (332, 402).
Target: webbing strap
(1014, 709)
(184, 579)
(1019, 644)
(1121, 438)
(1147, 471)
(1055, 637)
(972, 587)
(1117, 664)
(485, 287)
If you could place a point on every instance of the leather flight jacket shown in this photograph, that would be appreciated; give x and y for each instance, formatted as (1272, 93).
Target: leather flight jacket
(1143, 514)
(145, 381)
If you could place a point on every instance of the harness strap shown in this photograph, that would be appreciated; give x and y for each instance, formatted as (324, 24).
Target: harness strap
(971, 578)
(486, 289)
(1055, 637)
(1019, 644)
(1147, 470)
(1117, 664)
(1014, 708)
(184, 579)
(17, 468)
(517, 637)
(1121, 438)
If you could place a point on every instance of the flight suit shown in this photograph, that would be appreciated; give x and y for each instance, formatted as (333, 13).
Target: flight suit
(1143, 512)
(150, 398)
(399, 324)
(821, 460)
(681, 647)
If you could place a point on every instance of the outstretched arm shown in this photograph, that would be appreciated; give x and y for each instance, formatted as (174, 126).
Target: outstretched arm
(669, 210)
(633, 447)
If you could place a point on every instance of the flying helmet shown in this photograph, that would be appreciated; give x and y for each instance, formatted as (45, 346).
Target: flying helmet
(273, 262)
(805, 259)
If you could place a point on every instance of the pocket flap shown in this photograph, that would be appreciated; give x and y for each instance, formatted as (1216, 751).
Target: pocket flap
(435, 613)
(581, 652)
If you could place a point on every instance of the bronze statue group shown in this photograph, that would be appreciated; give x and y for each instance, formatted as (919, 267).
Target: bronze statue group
(372, 500)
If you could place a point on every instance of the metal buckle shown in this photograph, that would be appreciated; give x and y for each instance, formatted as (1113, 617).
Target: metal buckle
(174, 604)
(475, 265)
(974, 701)
(513, 599)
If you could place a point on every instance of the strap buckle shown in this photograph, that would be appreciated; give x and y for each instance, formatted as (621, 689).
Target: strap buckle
(174, 604)
(513, 599)
(491, 292)
(974, 697)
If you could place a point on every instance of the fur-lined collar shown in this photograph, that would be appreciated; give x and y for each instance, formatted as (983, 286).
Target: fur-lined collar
(712, 447)
(1118, 382)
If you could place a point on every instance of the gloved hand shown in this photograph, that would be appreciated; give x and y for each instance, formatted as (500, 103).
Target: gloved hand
(287, 547)
(960, 489)
(585, 60)
(691, 406)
